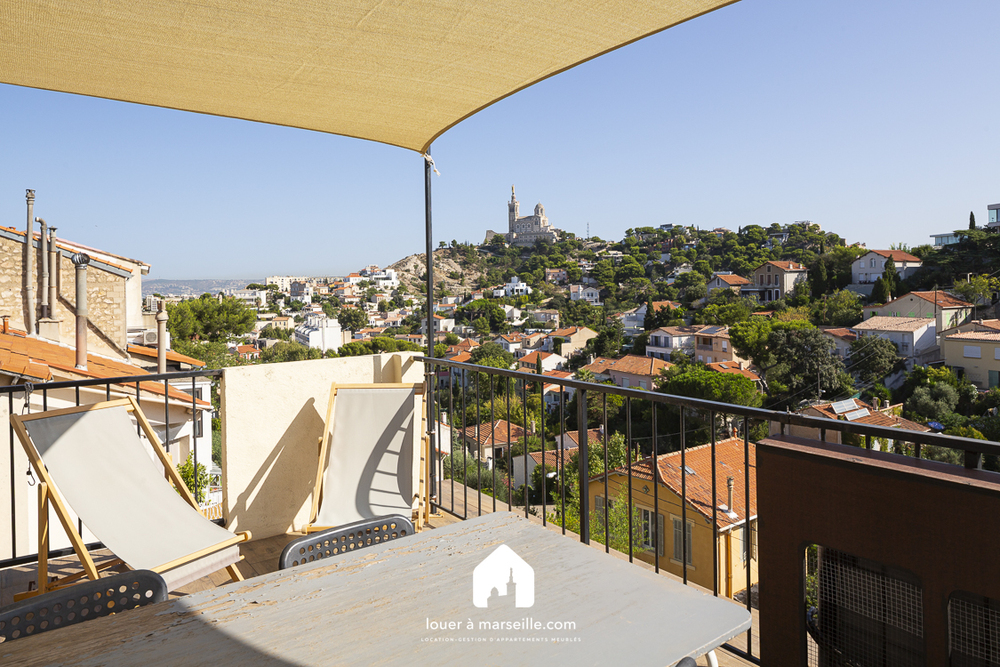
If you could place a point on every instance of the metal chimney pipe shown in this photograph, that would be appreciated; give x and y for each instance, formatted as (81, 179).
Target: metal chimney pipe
(6, 318)
(161, 340)
(80, 261)
(53, 272)
(729, 494)
(29, 263)
(45, 266)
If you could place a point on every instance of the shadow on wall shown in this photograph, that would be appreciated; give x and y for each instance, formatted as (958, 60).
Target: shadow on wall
(269, 493)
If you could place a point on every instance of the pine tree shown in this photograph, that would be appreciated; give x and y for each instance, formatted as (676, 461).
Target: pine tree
(891, 277)
(880, 293)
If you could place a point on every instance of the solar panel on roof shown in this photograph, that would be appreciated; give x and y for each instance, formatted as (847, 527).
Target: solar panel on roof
(857, 414)
(712, 330)
(840, 407)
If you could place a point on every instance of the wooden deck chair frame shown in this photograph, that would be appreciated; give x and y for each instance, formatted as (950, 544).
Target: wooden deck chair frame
(324, 449)
(47, 494)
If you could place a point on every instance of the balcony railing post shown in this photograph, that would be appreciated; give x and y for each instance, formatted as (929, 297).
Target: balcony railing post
(584, 454)
(973, 460)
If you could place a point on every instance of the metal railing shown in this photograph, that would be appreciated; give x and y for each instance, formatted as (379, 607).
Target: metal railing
(21, 397)
(490, 390)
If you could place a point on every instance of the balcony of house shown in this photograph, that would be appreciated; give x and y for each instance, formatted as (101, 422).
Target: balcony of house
(867, 556)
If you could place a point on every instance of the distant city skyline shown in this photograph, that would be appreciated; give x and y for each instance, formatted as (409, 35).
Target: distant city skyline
(875, 121)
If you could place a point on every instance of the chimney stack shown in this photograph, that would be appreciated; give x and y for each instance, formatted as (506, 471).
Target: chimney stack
(29, 263)
(80, 261)
(6, 329)
(53, 271)
(45, 266)
(729, 494)
(161, 340)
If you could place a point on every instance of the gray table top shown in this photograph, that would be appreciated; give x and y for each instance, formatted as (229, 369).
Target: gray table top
(412, 601)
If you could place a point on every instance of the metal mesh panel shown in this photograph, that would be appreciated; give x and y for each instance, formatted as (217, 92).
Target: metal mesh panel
(973, 630)
(351, 537)
(861, 613)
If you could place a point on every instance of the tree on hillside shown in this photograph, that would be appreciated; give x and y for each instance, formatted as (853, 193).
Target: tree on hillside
(271, 331)
(699, 382)
(977, 289)
(880, 292)
(352, 319)
(290, 351)
(209, 318)
(972, 221)
(872, 358)
(891, 277)
(608, 342)
(841, 309)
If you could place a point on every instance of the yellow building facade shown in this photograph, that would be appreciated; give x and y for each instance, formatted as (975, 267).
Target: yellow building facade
(660, 529)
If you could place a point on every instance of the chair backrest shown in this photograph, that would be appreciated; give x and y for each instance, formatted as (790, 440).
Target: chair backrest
(81, 602)
(100, 467)
(372, 464)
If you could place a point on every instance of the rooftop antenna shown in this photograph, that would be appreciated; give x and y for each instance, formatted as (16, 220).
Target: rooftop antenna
(588, 231)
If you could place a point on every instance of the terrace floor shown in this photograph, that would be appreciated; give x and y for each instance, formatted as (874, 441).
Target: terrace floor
(261, 557)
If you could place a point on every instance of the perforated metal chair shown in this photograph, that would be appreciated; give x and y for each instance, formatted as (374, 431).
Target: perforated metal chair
(344, 539)
(81, 602)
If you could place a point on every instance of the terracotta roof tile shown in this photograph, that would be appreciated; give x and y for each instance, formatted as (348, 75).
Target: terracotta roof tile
(495, 433)
(729, 463)
(883, 323)
(985, 336)
(143, 351)
(937, 297)
(732, 279)
(897, 255)
(634, 364)
(36, 359)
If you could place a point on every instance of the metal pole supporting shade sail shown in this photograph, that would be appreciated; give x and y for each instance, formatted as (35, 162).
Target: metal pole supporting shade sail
(399, 73)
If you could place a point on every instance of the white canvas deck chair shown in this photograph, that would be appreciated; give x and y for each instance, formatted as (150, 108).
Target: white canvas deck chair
(91, 460)
(369, 454)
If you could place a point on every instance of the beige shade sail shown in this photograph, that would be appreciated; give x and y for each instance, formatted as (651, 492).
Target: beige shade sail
(394, 71)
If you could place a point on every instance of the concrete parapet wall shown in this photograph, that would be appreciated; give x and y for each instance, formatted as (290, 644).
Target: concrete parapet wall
(272, 418)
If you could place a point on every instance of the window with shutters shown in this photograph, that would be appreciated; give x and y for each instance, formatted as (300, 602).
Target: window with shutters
(679, 538)
(648, 536)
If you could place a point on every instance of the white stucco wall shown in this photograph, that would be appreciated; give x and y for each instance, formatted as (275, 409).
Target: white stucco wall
(272, 418)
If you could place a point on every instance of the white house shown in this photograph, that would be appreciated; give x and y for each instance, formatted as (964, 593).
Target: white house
(915, 337)
(320, 332)
(252, 298)
(514, 287)
(869, 267)
(591, 295)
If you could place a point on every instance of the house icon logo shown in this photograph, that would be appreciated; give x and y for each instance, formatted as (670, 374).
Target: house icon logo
(503, 573)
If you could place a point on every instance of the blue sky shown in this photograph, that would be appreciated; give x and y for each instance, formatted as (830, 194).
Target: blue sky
(877, 120)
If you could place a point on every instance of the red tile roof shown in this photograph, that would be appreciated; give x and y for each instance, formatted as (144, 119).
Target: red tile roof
(729, 463)
(873, 418)
(36, 359)
(937, 297)
(534, 357)
(494, 434)
(986, 336)
(786, 266)
(732, 367)
(633, 364)
(554, 457)
(841, 332)
(600, 365)
(732, 279)
(143, 351)
(897, 255)
(657, 305)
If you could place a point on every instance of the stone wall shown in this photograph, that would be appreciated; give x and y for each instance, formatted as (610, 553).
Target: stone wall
(105, 295)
